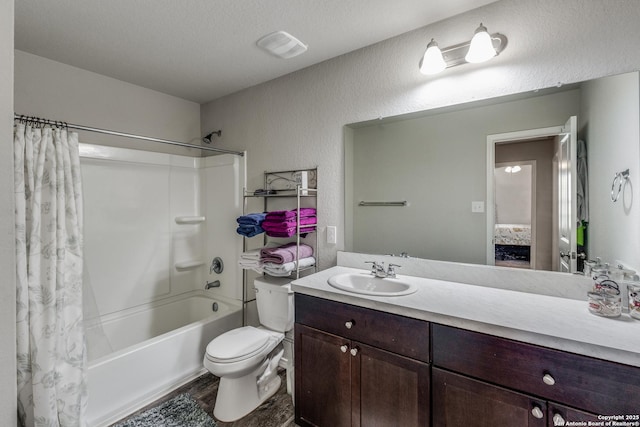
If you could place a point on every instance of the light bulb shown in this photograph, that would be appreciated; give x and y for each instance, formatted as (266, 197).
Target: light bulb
(432, 62)
(481, 48)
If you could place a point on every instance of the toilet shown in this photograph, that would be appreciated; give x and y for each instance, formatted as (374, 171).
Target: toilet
(246, 359)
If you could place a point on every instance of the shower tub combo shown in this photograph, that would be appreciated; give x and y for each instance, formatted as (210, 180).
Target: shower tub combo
(156, 348)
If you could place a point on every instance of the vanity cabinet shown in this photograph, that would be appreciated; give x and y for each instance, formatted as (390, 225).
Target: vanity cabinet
(359, 367)
(498, 377)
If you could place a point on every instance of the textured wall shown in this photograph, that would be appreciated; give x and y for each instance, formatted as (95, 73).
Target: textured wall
(57, 91)
(297, 120)
(7, 239)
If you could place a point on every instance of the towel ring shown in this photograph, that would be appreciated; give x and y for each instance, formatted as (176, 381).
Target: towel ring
(620, 178)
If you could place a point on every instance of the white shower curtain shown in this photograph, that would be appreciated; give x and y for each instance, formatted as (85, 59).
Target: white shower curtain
(50, 334)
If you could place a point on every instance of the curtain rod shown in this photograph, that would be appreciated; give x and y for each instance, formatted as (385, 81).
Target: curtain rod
(122, 134)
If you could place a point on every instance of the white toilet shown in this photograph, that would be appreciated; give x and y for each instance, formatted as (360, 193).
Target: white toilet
(246, 359)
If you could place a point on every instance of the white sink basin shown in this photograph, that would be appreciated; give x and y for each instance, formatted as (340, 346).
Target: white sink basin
(367, 284)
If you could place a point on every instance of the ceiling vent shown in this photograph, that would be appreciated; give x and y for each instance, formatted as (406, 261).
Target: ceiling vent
(282, 45)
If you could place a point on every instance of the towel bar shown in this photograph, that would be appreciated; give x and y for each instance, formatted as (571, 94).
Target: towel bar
(401, 203)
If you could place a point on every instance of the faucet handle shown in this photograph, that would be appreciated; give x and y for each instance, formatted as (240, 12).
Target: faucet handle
(375, 266)
(391, 271)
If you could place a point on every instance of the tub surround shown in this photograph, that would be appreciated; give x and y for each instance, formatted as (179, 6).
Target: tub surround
(545, 309)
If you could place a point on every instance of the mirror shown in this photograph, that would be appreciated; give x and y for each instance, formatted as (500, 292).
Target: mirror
(417, 184)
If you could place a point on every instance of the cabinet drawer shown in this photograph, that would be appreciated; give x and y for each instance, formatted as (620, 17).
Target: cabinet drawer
(594, 385)
(398, 334)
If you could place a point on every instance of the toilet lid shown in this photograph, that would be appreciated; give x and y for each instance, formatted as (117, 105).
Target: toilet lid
(238, 344)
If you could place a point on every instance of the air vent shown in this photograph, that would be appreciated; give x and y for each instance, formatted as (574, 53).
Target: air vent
(282, 45)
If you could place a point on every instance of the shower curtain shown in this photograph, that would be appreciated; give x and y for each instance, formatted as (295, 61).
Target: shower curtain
(50, 335)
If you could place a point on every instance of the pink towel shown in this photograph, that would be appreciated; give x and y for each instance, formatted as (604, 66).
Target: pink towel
(280, 215)
(282, 225)
(290, 232)
(285, 253)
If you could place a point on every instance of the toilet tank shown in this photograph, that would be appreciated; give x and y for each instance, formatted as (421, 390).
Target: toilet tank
(274, 299)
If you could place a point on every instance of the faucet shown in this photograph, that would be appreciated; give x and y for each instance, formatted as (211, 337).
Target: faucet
(214, 284)
(377, 269)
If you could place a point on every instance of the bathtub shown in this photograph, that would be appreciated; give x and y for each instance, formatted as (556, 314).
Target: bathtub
(155, 348)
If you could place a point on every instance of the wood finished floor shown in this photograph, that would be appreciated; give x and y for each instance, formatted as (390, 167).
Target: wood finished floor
(275, 412)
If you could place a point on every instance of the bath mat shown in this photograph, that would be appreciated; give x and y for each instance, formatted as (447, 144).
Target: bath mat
(181, 411)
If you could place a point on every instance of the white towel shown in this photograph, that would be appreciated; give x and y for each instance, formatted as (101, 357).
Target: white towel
(250, 255)
(283, 270)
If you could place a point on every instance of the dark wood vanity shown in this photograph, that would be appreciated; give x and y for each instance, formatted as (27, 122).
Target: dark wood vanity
(356, 366)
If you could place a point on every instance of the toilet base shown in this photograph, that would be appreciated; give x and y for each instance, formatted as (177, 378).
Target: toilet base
(237, 397)
(229, 407)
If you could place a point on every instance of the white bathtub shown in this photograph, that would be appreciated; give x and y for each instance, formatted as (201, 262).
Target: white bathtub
(156, 348)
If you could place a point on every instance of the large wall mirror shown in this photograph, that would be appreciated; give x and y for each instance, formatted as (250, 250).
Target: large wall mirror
(448, 184)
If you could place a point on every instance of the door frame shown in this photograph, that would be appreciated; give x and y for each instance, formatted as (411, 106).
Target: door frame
(492, 141)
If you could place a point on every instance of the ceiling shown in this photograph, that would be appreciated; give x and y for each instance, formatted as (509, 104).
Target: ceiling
(200, 50)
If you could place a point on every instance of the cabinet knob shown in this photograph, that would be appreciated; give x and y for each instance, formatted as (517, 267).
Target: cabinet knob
(548, 379)
(349, 324)
(354, 351)
(537, 412)
(344, 348)
(558, 420)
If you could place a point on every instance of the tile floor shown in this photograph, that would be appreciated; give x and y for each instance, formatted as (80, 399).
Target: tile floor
(275, 412)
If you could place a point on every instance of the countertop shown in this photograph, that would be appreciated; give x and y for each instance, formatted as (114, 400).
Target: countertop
(549, 321)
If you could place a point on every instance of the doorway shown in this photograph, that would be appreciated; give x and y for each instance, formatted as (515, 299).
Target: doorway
(535, 147)
(515, 213)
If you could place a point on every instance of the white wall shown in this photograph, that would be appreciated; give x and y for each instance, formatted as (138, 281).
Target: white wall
(52, 90)
(8, 401)
(296, 121)
(611, 120)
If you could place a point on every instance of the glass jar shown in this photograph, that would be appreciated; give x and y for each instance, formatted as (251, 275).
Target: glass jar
(634, 301)
(605, 304)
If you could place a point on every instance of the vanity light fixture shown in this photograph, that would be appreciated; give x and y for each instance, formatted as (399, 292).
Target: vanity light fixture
(482, 47)
(432, 61)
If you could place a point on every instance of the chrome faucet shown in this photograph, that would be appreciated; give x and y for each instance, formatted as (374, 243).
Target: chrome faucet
(214, 284)
(377, 269)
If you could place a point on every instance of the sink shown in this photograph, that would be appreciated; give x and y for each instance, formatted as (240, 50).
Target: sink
(367, 284)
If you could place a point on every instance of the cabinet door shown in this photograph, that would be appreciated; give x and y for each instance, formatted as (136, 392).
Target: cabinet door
(460, 401)
(560, 415)
(322, 378)
(394, 390)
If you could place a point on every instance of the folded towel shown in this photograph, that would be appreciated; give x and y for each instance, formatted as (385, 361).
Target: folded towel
(250, 265)
(249, 230)
(251, 255)
(268, 224)
(304, 212)
(251, 219)
(289, 232)
(283, 270)
(285, 253)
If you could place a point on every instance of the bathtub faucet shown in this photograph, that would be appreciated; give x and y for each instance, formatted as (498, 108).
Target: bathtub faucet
(214, 284)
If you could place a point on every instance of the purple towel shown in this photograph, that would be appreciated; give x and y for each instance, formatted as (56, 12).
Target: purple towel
(280, 215)
(285, 253)
(290, 232)
(283, 225)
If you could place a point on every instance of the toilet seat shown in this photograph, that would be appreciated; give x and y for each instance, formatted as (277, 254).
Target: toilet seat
(240, 344)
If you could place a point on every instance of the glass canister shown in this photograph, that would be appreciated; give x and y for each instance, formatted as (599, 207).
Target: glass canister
(634, 301)
(605, 304)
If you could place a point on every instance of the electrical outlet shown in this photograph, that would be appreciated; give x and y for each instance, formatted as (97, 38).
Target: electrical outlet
(332, 234)
(477, 207)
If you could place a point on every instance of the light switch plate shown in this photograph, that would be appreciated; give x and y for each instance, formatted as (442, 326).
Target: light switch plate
(332, 234)
(477, 207)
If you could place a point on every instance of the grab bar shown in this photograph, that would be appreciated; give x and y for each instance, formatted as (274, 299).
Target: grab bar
(400, 203)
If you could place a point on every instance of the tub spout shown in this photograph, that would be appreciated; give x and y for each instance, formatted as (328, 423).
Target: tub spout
(214, 284)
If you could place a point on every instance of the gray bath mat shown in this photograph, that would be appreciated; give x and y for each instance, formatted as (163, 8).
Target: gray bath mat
(181, 411)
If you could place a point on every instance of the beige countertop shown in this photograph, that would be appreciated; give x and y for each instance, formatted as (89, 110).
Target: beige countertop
(549, 321)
